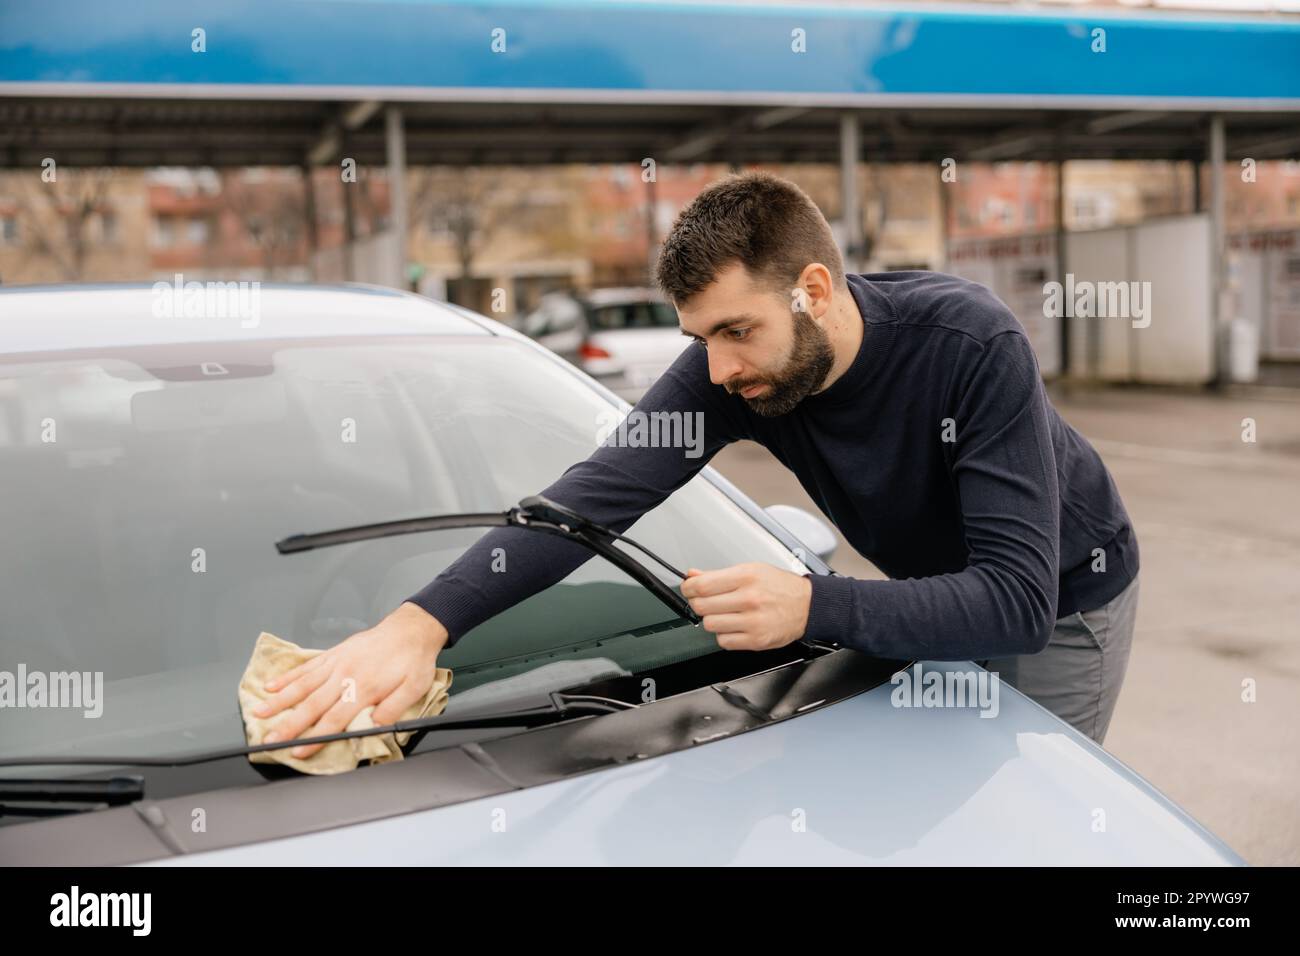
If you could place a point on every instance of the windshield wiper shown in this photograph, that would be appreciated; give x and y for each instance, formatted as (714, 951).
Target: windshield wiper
(536, 513)
(47, 798)
(559, 707)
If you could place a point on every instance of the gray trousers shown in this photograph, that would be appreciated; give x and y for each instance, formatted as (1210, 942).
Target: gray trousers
(1079, 674)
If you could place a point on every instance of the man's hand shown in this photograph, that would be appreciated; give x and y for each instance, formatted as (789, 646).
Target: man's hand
(750, 607)
(391, 665)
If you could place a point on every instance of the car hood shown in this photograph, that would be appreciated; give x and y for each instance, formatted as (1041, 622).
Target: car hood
(863, 781)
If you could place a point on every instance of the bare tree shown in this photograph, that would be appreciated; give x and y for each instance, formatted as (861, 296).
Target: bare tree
(879, 185)
(473, 205)
(273, 214)
(57, 215)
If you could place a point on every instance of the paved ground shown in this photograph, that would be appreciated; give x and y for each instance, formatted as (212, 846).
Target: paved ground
(1218, 523)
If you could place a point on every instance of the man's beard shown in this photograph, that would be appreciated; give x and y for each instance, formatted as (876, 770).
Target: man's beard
(810, 361)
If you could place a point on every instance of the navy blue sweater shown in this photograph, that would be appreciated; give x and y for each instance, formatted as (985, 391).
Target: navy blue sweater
(938, 456)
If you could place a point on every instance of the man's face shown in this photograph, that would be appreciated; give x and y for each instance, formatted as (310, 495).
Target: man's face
(759, 345)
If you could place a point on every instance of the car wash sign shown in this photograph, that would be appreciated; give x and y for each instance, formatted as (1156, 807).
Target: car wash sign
(812, 54)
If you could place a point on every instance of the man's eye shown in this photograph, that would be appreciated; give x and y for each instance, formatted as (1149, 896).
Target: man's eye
(739, 334)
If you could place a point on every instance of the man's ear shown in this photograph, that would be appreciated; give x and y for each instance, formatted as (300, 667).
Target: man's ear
(816, 286)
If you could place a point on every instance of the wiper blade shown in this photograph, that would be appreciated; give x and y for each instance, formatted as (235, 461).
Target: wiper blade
(537, 513)
(560, 706)
(41, 798)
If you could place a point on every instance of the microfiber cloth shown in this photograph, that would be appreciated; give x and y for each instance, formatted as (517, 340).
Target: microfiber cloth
(273, 656)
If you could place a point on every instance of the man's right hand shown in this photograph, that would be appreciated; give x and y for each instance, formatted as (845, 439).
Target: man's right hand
(391, 665)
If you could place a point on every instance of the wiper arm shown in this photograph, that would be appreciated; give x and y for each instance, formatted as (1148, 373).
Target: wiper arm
(46, 798)
(536, 513)
(560, 706)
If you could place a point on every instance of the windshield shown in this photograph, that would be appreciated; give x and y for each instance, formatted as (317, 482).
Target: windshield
(145, 488)
(634, 315)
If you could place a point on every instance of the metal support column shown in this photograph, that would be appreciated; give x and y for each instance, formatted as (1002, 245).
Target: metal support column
(850, 151)
(1217, 149)
(396, 155)
(309, 215)
(1065, 329)
(651, 229)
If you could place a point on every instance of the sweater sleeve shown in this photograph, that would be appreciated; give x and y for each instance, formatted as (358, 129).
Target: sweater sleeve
(622, 480)
(1004, 471)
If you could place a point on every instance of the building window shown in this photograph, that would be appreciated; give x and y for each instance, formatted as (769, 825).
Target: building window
(621, 176)
(1093, 212)
(8, 230)
(164, 232)
(108, 227)
(997, 210)
(196, 232)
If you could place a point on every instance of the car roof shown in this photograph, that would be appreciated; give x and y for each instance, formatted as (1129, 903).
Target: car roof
(603, 297)
(37, 318)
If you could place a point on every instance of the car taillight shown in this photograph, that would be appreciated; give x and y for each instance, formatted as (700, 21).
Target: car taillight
(589, 351)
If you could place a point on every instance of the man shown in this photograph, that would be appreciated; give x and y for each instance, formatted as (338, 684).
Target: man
(911, 408)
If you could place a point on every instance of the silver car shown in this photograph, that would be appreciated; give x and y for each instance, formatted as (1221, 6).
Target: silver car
(624, 338)
(158, 460)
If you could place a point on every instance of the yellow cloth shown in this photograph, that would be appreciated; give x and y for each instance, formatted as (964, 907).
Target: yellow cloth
(273, 656)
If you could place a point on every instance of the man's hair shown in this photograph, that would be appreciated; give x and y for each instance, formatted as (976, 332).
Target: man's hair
(757, 218)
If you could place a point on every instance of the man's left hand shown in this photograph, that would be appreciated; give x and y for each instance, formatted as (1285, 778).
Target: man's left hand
(750, 607)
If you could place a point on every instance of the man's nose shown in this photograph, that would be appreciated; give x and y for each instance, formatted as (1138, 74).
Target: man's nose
(721, 368)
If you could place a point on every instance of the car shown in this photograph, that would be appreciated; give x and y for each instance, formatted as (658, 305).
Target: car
(172, 475)
(623, 337)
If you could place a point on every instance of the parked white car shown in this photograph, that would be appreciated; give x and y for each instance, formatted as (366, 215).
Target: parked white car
(624, 338)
